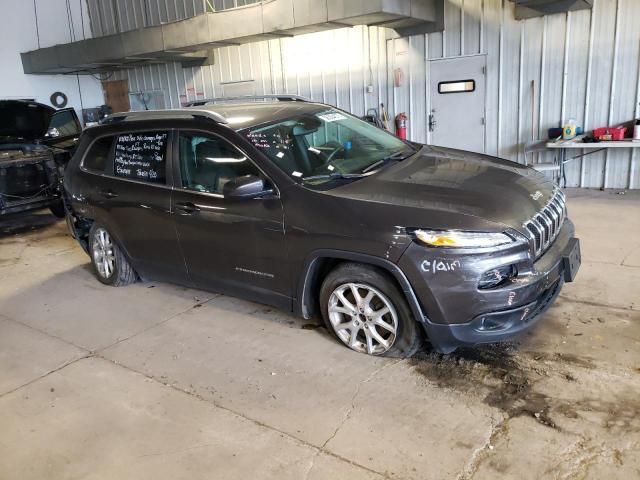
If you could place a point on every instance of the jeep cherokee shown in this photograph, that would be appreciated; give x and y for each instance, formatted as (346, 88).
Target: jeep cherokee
(303, 206)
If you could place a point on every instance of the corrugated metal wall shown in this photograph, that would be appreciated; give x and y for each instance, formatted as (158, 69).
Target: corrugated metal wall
(540, 72)
(113, 16)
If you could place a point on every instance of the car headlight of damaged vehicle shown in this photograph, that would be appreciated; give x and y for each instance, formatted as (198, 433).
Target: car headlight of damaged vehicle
(493, 278)
(460, 239)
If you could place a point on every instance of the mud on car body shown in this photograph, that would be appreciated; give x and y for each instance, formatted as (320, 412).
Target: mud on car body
(36, 142)
(303, 206)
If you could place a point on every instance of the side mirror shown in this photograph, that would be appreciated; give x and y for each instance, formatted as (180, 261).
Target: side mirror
(53, 132)
(245, 187)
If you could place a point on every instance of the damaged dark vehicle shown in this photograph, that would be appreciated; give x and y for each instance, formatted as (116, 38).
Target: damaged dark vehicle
(303, 206)
(36, 143)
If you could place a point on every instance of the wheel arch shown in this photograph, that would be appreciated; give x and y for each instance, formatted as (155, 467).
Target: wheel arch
(320, 262)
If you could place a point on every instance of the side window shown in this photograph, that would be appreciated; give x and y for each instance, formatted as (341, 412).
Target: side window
(96, 158)
(63, 124)
(208, 162)
(141, 156)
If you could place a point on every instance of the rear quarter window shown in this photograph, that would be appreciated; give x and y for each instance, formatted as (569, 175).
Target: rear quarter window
(98, 155)
(141, 156)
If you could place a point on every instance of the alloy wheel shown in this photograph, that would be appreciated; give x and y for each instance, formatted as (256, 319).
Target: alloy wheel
(363, 318)
(103, 253)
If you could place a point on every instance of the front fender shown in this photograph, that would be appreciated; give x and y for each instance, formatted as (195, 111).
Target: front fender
(307, 284)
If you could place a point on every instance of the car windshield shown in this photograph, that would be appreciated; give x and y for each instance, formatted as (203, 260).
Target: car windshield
(327, 145)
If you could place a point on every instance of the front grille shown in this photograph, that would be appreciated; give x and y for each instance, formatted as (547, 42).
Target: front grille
(545, 225)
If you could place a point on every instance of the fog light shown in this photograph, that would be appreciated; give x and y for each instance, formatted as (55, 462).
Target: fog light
(496, 277)
(488, 324)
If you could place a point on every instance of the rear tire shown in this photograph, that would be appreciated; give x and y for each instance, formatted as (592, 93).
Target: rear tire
(109, 263)
(364, 309)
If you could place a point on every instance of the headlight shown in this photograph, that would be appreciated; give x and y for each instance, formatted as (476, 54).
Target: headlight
(455, 239)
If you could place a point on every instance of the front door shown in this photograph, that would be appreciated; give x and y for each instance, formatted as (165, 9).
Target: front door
(230, 246)
(457, 115)
(63, 130)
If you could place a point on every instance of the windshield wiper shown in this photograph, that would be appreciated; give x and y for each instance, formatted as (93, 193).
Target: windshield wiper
(334, 175)
(397, 157)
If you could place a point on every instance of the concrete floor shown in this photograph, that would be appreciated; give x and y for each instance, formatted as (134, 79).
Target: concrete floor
(158, 381)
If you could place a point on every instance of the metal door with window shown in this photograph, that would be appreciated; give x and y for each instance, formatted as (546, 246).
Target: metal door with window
(230, 245)
(457, 115)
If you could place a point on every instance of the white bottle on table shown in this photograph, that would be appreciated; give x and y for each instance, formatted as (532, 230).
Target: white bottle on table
(569, 129)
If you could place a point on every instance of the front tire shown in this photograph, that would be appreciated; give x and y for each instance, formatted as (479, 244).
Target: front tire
(364, 309)
(109, 263)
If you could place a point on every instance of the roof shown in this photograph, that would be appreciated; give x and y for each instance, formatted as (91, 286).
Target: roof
(244, 115)
(236, 115)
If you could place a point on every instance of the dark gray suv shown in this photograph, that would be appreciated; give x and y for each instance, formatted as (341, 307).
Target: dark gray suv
(305, 207)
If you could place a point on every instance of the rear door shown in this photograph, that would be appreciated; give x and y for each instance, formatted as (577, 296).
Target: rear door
(132, 198)
(231, 246)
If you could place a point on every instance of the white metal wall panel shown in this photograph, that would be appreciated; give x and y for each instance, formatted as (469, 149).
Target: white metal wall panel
(510, 133)
(575, 87)
(627, 78)
(491, 35)
(553, 71)
(418, 98)
(452, 28)
(472, 26)
(540, 72)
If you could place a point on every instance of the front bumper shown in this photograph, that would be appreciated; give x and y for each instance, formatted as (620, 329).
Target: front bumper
(458, 313)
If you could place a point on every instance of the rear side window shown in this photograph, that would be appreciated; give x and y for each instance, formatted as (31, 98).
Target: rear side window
(96, 158)
(141, 156)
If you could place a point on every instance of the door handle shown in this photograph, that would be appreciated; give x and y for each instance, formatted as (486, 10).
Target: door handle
(108, 194)
(187, 208)
(432, 122)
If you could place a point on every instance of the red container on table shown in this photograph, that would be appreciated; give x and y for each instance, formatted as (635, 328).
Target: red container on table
(609, 133)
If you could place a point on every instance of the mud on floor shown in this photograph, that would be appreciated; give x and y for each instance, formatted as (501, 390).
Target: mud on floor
(509, 380)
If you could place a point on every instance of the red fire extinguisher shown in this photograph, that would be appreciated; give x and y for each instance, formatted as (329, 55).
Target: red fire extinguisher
(401, 125)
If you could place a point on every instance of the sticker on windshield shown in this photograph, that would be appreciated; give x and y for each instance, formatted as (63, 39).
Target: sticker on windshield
(332, 117)
(280, 154)
(296, 174)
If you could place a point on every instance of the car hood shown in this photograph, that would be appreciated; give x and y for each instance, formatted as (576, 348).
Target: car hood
(447, 188)
(22, 121)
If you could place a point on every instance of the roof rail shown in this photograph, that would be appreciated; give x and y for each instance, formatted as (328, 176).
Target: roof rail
(177, 113)
(281, 97)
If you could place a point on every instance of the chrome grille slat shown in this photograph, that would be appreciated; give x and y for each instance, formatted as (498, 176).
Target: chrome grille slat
(549, 214)
(558, 212)
(554, 216)
(545, 225)
(546, 228)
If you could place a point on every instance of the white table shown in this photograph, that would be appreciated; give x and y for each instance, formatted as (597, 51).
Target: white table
(577, 144)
